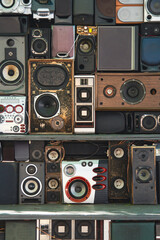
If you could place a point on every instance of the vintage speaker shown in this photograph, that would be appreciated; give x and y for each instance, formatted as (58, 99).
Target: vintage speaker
(120, 42)
(31, 183)
(132, 230)
(50, 96)
(54, 154)
(43, 9)
(44, 229)
(151, 11)
(15, 7)
(114, 122)
(85, 229)
(84, 104)
(85, 55)
(61, 48)
(63, 15)
(105, 12)
(9, 182)
(39, 43)
(129, 11)
(83, 12)
(149, 47)
(13, 24)
(147, 122)
(127, 91)
(85, 181)
(118, 163)
(36, 151)
(23, 230)
(143, 164)
(13, 64)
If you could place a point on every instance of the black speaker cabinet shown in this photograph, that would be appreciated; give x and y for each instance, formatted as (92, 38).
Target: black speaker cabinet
(143, 160)
(36, 151)
(105, 12)
(118, 174)
(83, 12)
(62, 229)
(31, 183)
(85, 55)
(8, 183)
(63, 12)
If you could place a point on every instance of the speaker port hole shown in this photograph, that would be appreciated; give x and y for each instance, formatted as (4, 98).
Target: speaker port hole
(153, 91)
(26, 1)
(81, 66)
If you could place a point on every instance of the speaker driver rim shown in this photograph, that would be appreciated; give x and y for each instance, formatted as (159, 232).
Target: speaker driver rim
(61, 223)
(89, 42)
(42, 52)
(150, 7)
(140, 178)
(141, 91)
(38, 109)
(143, 118)
(85, 223)
(7, 7)
(85, 196)
(15, 65)
(39, 186)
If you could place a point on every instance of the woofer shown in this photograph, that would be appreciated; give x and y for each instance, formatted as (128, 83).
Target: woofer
(148, 122)
(31, 186)
(39, 46)
(53, 155)
(47, 105)
(85, 45)
(133, 91)
(154, 6)
(143, 175)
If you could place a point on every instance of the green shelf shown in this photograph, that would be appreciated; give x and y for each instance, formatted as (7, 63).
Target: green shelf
(80, 137)
(72, 211)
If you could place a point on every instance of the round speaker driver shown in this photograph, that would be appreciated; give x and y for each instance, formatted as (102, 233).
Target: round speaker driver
(133, 91)
(7, 3)
(154, 7)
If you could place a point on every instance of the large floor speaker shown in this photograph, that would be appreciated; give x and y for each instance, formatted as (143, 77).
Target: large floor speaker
(63, 15)
(83, 12)
(23, 230)
(50, 96)
(9, 183)
(105, 12)
(127, 91)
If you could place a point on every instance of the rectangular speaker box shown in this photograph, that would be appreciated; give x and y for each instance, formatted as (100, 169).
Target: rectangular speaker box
(21, 150)
(63, 48)
(51, 84)
(63, 15)
(43, 9)
(120, 42)
(83, 12)
(8, 152)
(143, 164)
(44, 229)
(84, 104)
(23, 230)
(9, 182)
(36, 151)
(151, 11)
(13, 64)
(118, 163)
(13, 24)
(31, 183)
(133, 230)
(105, 12)
(40, 43)
(127, 91)
(54, 154)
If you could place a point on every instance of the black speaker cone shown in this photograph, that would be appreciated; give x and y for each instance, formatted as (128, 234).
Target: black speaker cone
(39, 46)
(47, 105)
(144, 175)
(11, 72)
(154, 6)
(85, 229)
(78, 189)
(149, 122)
(31, 186)
(52, 76)
(133, 91)
(84, 94)
(61, 229)
(84, 113)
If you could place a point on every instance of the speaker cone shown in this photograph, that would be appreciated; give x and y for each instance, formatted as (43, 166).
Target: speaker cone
(154, 6)
(31, 186)
(85, 45)
(39, 46)
(61, 229)
(53, 183)
(47, 105)
(53, 155)
(52, 76)
(144, 175)
(133, 91)
(11, 72)
(148, 122)
(7, 3)
(143, 155)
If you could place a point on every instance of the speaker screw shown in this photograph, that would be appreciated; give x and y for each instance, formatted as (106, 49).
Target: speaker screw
(101, 103)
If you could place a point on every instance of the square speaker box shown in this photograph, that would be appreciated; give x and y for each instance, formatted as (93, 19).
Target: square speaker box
(62, 229)
(127, 91)
(133, 230)
(63, 15)
(23, 230)
(105, 12)
(151, 11)
(143, 165)
(120, 42)
(9, 182)
(36, 151)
